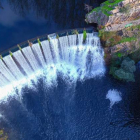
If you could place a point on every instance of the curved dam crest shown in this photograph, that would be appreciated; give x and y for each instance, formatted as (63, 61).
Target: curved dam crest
(67, 56)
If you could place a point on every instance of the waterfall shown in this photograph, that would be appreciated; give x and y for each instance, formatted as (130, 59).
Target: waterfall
(66, 55)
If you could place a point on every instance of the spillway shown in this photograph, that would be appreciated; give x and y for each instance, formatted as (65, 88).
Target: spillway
(68, 55)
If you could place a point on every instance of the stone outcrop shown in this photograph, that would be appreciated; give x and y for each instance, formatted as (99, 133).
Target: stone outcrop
(119, 27)
(119, 30)
(128, 11)
(97, 17)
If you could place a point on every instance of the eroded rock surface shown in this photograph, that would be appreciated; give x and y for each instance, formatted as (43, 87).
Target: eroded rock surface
(119, 27)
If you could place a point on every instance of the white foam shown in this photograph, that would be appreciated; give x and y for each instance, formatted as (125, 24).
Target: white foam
(81, 62)
(1, 116)
(114, 96)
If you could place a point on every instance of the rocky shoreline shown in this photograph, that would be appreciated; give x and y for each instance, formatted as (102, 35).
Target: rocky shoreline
(119, 29)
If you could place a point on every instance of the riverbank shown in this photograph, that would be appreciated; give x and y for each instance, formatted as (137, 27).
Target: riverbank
(119, 28)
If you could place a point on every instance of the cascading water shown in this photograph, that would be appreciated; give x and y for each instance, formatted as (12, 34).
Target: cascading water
(67, 56)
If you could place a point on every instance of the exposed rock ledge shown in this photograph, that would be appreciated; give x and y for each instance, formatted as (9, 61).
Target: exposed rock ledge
(119, 27)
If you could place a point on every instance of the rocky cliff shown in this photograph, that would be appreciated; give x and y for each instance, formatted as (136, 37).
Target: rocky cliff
(119, 27)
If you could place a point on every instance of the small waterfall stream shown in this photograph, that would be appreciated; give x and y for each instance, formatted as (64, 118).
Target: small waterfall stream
(67, 55)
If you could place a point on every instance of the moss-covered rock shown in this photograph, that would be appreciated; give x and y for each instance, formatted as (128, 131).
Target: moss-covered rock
(119, 30)
(124, 70)
(128, 65)
(121, 74)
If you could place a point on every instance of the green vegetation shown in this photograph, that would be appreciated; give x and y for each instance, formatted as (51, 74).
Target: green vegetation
(57, 36)
(119, 55)
(84, 35)
(127, 39)
(3, 135)
(10, 53)
(75, 32)
(19, 47)
(134, 27)
(123, 69)
(109, 38)
(101, 27)
(1, 57)
(105, 55)
(112, 38)
(135, 55)
(1, 132)
(48, 38)
(39, 42)
(125, 9)
(107, 6)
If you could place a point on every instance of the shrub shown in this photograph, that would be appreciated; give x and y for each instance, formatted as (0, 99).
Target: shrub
(124, 70)
(106, 7)
(119, 55)
(128, 65)
(125, 10)
(121, 74)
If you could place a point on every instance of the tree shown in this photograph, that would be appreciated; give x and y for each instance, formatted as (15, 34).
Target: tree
(88, 8)
(124, 71)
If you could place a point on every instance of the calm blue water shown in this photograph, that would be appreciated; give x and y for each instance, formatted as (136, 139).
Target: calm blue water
(20, 21)
(64, 112)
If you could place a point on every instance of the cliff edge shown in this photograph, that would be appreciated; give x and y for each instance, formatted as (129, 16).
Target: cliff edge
(119, 28)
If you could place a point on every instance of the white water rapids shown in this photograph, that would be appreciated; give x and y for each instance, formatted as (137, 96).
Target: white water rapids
(67, 56)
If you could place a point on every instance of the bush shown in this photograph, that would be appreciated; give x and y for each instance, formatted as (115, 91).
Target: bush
(128, 65)
(119, 54)
(121, 74)
(125, 10)
(124, 70)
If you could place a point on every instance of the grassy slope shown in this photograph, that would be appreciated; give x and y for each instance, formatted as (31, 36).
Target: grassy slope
(112, 38)
(106, 7)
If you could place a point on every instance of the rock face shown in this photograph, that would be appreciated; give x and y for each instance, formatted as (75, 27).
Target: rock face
(126, 10)
(97, 17)
(119, 26)
(119, 30)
